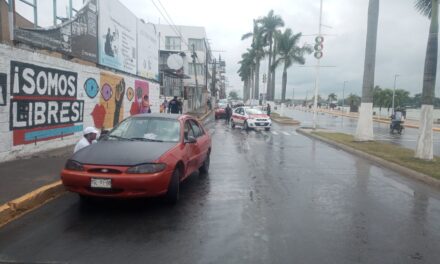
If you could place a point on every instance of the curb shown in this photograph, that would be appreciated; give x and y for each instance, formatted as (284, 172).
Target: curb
(30, 201)
(387, 164)
(200, 119)
(285, 122)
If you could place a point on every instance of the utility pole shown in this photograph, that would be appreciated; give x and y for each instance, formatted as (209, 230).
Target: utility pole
(214, 78)
(315, 104)
(194, 56)
(343, 95)
(394, 89)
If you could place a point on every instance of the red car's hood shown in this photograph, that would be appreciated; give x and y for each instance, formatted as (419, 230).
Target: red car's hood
(259, 116)
(122, 153)
(220, 110)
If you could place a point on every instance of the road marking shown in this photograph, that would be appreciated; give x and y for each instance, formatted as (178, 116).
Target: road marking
(274, 132)
(294, 133)
(285, 133)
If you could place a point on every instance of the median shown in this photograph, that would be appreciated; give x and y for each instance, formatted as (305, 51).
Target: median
(391, 156)
(283, 119)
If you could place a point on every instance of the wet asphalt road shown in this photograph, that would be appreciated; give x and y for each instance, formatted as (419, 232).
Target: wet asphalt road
(348, 125)
(275, 197)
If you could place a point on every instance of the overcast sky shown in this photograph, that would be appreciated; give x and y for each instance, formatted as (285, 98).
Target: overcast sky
(401, 46)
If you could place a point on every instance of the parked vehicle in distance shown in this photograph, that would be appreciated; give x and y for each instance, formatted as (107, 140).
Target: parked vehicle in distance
(250, 118)
(220, 112)
(145, 155)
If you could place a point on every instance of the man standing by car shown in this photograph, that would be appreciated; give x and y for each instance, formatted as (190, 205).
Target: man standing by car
(228, 114)
(268, 109)
(173, 106)
(90, 134)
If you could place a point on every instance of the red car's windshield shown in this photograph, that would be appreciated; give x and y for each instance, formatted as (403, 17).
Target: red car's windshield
(154, 129)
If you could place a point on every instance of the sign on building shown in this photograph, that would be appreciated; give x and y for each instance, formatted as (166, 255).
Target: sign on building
(148, 51)
(117, 36)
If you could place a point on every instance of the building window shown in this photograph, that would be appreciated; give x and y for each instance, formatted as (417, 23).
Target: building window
(172, 43)
(199, 68)
(198, 44)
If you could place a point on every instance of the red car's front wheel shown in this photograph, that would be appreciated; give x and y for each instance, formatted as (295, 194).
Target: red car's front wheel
(172, 195)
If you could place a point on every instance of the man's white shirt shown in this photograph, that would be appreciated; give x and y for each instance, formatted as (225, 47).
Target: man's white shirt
(81, 144)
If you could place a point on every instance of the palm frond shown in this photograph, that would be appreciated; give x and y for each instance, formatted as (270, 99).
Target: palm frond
(424, 7)
(247, 35)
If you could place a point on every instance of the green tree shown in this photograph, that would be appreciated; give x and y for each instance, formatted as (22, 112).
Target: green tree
(332, 97)
(233, 95)
(424, 148)
(269, 24)
(364, 130)
(353, 100)
(289, 53)
(401, 98)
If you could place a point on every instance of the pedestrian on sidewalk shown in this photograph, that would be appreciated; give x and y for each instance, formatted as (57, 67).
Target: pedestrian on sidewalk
(180, 105)
(228, 114)
(90, 134)
(173, 106)
(268, 109)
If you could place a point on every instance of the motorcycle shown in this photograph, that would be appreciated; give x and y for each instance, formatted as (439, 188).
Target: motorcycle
(396, 126)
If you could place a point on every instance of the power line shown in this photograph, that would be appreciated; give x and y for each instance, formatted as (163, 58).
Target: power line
(171, 24)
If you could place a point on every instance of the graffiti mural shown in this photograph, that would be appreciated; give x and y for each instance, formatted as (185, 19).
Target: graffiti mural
(43, 103)
(110, 110)
(91, 87)
(141, 104)
(3, 88)
(130, 94)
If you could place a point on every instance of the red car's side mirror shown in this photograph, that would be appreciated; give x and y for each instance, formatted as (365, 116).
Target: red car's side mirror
(191, 140)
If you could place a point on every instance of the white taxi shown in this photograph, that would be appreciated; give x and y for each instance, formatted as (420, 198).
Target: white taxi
(250, 118)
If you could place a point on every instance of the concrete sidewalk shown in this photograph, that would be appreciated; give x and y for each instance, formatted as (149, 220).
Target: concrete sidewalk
(23, 176)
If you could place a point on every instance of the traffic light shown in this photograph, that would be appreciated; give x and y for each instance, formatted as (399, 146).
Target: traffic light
(319, 47)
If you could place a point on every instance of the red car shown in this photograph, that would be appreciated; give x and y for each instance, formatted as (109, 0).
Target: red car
(145, 155)
(220, 113)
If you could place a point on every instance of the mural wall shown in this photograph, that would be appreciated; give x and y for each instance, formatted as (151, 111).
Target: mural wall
(46, 104)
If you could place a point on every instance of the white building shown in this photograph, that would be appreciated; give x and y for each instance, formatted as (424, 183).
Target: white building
(185, 41)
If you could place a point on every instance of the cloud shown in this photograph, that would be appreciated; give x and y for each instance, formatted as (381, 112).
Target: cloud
(401, 46)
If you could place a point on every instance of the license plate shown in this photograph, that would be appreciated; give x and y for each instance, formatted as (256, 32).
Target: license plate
(259, 124)
(101, 183)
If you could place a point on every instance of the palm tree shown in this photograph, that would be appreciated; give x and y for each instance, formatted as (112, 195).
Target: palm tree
(289, 53)
(245, 74)
(257, 47)
(247, 70)
(275, 53)
(269, 24)
(364, 130)
(424, 148)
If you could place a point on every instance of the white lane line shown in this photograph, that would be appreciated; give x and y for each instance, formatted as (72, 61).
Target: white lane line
(274, 132)
(285, 133)
(294, 133)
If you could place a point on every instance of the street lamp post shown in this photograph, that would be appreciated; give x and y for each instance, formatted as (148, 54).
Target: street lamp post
(343, 95)
(394, 89)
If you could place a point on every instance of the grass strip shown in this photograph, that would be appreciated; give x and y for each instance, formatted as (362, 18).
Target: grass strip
(389, 152)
